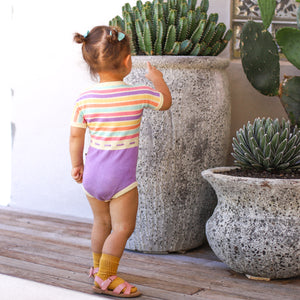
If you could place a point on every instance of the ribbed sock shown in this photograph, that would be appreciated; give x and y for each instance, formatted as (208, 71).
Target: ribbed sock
(109, 266)
(96, 259)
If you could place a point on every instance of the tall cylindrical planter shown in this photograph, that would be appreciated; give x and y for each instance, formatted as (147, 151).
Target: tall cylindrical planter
(175, 146)
(256, 225)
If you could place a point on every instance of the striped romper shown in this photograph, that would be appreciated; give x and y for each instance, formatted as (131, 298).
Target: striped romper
(112, 111)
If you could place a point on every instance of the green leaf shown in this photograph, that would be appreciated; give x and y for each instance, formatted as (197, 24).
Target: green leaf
(282, 146)
(268, 151)
(275, 141)
(289, 154)
(277, 159)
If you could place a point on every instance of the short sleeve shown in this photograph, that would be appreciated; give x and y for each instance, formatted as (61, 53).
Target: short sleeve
(78, 119)
(153, 98)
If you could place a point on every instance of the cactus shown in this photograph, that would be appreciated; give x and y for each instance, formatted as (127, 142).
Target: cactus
(267, 10)
(175, 27)
(260, 60)
(290, 97)
(267, 145)
(289, 41)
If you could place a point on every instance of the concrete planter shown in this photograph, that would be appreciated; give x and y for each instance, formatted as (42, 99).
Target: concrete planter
(255, 227)
(175, 146)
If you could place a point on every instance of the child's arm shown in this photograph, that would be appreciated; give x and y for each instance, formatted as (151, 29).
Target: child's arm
(157, 79)
(77, 136)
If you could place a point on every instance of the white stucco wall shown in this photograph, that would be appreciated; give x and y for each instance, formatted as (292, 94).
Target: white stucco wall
(48, 75)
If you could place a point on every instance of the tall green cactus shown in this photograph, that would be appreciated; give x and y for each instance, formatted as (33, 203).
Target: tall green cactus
(175, 27)
(260, 59)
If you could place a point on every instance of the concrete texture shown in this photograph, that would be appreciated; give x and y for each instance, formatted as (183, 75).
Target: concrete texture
(255, 226)
(175, 146)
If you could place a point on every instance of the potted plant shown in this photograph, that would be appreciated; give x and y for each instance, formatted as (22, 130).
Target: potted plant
(255, 226)
(175, 146)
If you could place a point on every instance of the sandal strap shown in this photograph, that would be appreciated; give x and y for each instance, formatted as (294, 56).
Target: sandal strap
(104, 284)
(93, 272)
(121, 286)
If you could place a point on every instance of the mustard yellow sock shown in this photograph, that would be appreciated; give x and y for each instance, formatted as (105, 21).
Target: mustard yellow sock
(109, 266)
(96, 259)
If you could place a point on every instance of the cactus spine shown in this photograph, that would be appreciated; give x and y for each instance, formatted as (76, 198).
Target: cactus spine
(175, 27)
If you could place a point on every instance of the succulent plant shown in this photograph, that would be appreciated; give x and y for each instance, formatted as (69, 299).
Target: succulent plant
(175, 27)
(267, 145)
(260, 59)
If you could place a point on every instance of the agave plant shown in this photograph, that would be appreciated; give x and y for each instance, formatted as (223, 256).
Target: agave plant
(260, 59)
(267, 145)
(175, 27)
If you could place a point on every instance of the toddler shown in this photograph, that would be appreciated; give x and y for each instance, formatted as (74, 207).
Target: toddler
(112, 111)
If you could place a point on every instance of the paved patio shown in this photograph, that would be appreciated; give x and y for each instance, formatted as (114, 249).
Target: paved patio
(50, 255)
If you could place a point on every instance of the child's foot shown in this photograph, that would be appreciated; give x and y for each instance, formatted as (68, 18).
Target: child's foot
(115, 286)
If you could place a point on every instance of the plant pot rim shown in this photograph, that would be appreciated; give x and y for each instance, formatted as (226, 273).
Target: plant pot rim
(179, 62)
(217, 173)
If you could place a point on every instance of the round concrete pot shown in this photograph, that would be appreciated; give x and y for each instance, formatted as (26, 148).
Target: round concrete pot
(175, 146)
(255, 226)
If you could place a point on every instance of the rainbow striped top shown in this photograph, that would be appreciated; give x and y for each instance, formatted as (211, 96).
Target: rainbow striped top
(113, 111)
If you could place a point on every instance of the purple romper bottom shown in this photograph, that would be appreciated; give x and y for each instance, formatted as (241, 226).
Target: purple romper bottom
(109, 174)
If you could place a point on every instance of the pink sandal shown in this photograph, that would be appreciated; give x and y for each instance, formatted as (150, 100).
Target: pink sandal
(104, 284)
(93, 272)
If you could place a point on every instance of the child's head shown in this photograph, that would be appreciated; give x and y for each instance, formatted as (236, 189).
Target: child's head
(104, 49)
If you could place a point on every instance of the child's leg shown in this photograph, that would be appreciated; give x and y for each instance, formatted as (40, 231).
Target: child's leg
(123, 212)
(101, 227)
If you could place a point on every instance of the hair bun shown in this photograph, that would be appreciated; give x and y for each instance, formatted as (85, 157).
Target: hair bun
(112, 37)
(79, 38)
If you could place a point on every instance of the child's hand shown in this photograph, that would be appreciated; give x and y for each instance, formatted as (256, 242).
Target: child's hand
(153, 74)
(77, 173)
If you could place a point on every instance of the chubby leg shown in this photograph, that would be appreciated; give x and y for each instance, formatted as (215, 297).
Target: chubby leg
(123, 212)
(101, 227)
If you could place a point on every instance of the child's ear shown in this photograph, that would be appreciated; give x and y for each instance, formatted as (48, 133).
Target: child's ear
(127, 61)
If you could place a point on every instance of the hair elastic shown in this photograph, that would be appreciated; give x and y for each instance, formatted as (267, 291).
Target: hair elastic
(121, 35)
(88, 32)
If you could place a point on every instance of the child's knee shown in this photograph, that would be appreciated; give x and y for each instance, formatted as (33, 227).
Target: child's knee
(125, 230)
(103, 222)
